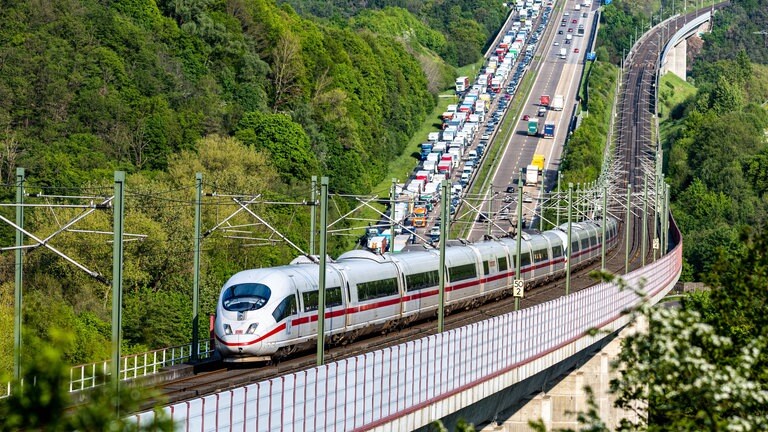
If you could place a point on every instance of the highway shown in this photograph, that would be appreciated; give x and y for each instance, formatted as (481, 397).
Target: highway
(555, 76)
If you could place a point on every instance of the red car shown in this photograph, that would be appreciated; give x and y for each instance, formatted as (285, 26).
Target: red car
(570, 30)
(526, 117)
(574, 21)
(576, 50)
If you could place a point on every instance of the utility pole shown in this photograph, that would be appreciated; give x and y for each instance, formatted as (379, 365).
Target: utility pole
(117, 274)
(570, 245)
(312, 216)
(444, 210)
(321, 277)
(17, 310)
(196, 270)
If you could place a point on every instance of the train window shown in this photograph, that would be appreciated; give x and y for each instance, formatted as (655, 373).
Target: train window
(593, 240)
(462, 272)
(376, 289)
(286, 308)
(539, 255)
(526, 259)
(420, 281)
(503, 264)
(585, 242)
(332, 298)
(557, 251)
(574, 246)
(245, 297)
(486, 268)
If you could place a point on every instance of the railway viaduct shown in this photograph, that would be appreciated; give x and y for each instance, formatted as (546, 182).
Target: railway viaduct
(481, 373)
(557, 404)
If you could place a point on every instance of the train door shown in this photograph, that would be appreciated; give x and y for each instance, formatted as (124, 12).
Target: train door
(306, 288)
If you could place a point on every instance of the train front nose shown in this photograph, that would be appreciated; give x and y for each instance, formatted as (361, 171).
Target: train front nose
(236, 345)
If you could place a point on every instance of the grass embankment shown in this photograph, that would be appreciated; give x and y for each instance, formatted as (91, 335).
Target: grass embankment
(673, 91)
(402, 167)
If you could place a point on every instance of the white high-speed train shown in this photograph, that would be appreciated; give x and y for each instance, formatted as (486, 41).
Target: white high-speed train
(268, 313)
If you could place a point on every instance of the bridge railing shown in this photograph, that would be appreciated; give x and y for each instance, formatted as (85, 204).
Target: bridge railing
(406, 386)
(83, 377)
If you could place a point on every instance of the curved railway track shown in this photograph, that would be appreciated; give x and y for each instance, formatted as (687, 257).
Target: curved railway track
(635, 145)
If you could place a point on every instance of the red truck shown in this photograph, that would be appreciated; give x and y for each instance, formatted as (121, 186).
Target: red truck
(544, 100)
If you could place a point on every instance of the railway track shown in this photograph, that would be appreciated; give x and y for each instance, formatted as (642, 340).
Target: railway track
(635, 142)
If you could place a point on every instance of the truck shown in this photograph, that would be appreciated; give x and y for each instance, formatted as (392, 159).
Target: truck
(562, 53)
(544, 101)
(533, 127)
(549, 130)
(426, 149)
(496, 84)
(531, 175)
(557, 103)
(538, 161)
(462, 84)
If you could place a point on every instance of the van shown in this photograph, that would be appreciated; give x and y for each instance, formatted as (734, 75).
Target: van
(464, 178)
(568, 36)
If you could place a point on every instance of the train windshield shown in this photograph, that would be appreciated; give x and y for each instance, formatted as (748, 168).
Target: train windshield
(245, 297)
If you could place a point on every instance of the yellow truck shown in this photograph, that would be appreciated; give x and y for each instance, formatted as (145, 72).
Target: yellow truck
(538, 161)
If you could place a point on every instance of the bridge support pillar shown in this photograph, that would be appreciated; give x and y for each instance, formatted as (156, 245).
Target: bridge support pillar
(558, 404)
(676, 60)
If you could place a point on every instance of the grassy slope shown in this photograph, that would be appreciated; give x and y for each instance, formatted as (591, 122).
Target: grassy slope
(673, 91)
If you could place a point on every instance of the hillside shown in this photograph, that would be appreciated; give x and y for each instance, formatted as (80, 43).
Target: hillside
(251, 94)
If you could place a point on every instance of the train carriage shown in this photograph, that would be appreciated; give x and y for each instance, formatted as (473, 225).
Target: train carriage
(463, 281)
(494, 259)
(375, 289)
(270, 312)
(422, 281)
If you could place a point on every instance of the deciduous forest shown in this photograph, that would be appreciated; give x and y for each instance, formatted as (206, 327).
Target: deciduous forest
(249, 93)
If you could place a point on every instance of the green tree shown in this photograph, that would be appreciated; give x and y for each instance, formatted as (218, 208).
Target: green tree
(285, 141)
(43, 402)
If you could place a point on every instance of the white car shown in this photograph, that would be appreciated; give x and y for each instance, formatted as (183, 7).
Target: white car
(557, 43)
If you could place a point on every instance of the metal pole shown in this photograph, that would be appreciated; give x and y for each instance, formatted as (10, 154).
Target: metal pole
(570, 248)
(667, 214)
(519, 233)
(321, 278)
(312, 215)
(603, 224)
(656, 221)
(490, 212)
(557, 217)
(541, 203)
(645, 219)
(19, 278)
(392, 193)
(196, 270)
(627, 223)
(117, 274)
(443, 239)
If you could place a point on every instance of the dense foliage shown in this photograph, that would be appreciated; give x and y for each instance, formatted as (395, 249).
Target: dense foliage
(255, 97)
(467, 26)
(43, 401)
(715, 156)
(718, 162)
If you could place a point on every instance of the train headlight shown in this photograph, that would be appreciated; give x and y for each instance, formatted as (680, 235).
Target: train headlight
(227, 329)
(252, 328)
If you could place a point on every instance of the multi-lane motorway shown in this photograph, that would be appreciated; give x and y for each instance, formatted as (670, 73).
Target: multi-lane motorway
(554, 76)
